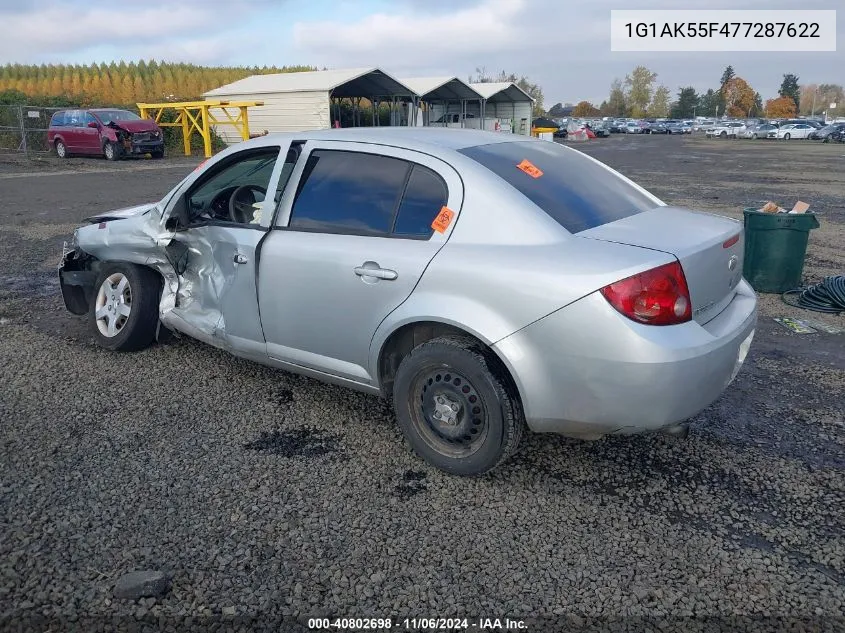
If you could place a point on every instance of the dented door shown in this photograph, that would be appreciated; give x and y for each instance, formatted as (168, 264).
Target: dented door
(215, 259)
(217, 285)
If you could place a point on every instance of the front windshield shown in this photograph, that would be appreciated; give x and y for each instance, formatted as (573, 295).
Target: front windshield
(107, 116)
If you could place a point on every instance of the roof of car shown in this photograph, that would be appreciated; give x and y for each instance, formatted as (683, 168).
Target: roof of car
(408, 137)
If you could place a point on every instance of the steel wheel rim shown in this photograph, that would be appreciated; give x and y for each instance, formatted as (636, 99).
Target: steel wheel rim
(113, 305)
(462, 431)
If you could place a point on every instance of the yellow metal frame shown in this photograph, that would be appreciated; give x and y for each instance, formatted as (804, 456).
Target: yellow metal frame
(197, 115)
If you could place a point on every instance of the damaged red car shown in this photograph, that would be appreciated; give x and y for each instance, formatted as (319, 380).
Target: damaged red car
(105, 132)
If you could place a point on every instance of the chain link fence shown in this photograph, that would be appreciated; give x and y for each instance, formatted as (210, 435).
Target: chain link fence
(23, 128)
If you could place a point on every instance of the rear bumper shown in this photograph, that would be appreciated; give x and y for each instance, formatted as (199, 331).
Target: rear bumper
(587, 371)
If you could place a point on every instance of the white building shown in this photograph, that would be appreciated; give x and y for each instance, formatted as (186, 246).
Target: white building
(303, 101)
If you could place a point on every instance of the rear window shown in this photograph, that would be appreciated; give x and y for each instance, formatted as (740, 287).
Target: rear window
(58, 119)
(576, 192)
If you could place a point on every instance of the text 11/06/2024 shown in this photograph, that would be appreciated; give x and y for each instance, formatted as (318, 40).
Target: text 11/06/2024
(417, 624)
(723, 30)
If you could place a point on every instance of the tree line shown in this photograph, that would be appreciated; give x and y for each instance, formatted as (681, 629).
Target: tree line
(639, 95)
(121, 83)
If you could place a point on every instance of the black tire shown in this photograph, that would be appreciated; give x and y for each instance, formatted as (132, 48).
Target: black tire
(723, 134)
(138, 330)
(61, 150)
(111, 151)
(787, 136)
(489, 421)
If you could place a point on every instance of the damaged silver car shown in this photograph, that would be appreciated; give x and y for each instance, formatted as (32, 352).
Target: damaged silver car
(484, 283)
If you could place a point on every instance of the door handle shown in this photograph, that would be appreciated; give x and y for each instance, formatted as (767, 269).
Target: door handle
(378, 273)
(240, 259)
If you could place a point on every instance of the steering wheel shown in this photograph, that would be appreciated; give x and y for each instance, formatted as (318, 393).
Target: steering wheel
(241, 210)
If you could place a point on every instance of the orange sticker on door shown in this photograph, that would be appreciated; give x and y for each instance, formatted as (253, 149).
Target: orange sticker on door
(530, 168)
(443, 220)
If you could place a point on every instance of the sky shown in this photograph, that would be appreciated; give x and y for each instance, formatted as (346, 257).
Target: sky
(562, 45)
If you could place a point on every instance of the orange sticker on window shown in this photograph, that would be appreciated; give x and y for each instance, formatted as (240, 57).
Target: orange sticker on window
(443, 220)
(530, 168)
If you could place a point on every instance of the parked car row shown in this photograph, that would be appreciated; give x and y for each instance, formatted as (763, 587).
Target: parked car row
(783, 129)
(593, 129)
(649, 126)
(747, 129)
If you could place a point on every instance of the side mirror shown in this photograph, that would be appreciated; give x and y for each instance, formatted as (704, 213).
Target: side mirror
(93, 124)
(180, 218)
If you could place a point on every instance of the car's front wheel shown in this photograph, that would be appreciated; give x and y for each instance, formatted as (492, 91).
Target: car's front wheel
(456, 406)
(124, 312)
(786, 136)
(111, 151)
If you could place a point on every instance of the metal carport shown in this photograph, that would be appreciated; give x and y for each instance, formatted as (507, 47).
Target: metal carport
(506, 100)
(437, 94)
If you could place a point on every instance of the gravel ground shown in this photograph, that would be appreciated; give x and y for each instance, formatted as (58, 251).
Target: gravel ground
(260, 494)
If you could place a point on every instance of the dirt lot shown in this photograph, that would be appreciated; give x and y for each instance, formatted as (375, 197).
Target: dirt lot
(263, 494)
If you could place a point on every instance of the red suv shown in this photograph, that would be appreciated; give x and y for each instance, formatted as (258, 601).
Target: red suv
(104, 131)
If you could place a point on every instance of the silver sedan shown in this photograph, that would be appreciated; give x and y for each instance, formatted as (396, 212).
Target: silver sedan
(482, 282)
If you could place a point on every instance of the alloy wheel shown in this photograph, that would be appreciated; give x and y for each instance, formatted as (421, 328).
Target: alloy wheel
(113, 305)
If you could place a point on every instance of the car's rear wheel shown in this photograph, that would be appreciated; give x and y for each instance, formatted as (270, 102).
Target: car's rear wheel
(723, 134)
(456, 406)
(786, 136)
(61, 149)
(111, 151)
(124, 312)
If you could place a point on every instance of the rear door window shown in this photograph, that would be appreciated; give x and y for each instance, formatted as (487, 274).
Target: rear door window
(578, 193)
(425, 196)
(73, 118)
(349, 192)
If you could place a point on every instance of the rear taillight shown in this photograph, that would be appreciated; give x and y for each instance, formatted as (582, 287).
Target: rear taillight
(659, 296)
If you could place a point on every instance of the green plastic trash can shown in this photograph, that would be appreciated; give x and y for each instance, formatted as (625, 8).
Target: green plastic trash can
(775, 245)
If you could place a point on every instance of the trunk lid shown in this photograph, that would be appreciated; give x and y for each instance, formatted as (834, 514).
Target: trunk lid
(709, 247)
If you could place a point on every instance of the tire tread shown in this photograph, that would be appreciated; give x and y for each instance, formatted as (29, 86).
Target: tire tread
(513, 418)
